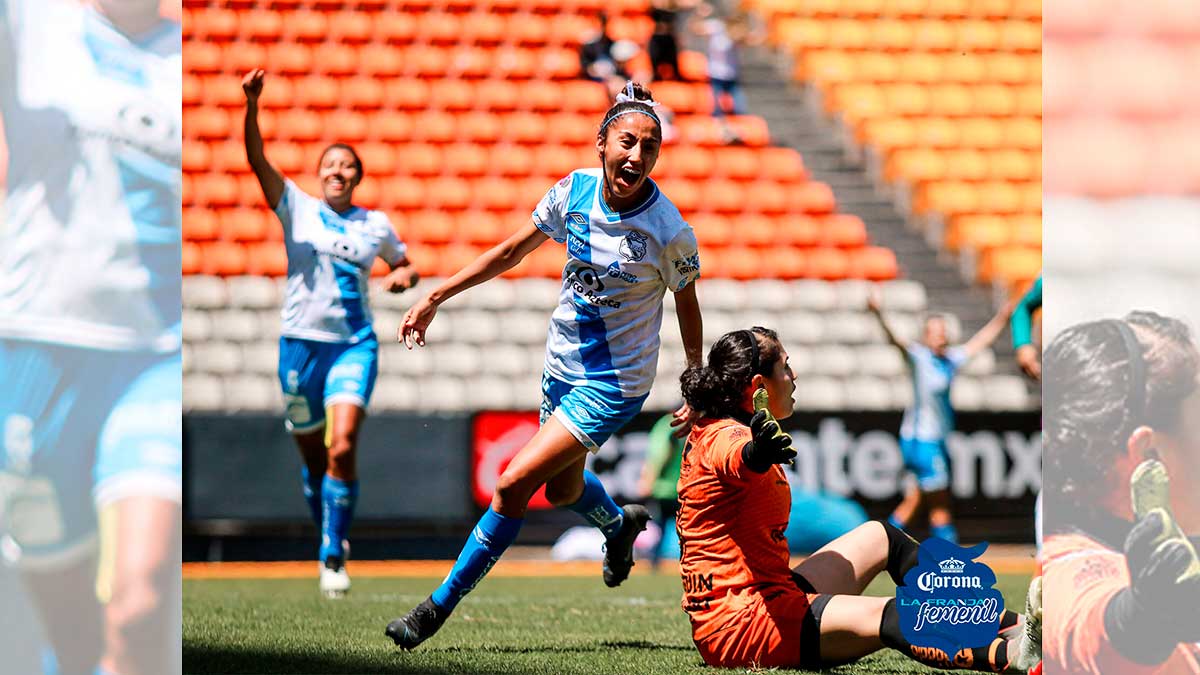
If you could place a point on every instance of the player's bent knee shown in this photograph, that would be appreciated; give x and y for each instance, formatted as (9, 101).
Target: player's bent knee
(564, 495)
(513, 490)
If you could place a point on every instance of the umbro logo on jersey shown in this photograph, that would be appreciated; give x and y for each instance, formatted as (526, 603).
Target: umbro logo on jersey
(579, 221)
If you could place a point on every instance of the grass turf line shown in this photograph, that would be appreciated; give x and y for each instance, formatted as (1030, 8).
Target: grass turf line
(522, 626)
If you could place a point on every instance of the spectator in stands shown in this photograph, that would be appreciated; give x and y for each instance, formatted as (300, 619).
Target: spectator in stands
(664, 43)
(932, 364)
(725, 37)
(747, 607)
(596, 61)
(90, 334)
(626, 246)
(1120, 574)
(328, 353)
(660, 473)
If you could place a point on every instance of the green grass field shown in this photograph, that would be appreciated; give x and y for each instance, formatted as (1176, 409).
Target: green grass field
(520, 625)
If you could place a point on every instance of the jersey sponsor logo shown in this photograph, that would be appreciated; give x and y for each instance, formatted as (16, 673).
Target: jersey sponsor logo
(687, 266)
(577, 223)
(586, 283)
(947, 602)
(614, 270)
(576, 245)
(344, 249)
(694, 582)
(633, 246)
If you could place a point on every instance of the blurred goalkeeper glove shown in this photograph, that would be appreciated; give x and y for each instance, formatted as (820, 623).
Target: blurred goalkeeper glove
(1161, 607)
(768, 444)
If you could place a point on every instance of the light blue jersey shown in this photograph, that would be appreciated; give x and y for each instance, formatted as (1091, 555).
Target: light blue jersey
(930, 417)
(329, 263)
(90, 247)
(605, 331)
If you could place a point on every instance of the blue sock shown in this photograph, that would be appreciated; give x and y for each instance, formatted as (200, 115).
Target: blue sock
(488, 541)
(312, 493)
(895, 522)
(338, 498)
(597, 507)
(947, 532)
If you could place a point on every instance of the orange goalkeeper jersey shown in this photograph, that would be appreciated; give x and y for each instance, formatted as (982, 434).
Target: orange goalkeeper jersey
(731, 526)
(1080, 576)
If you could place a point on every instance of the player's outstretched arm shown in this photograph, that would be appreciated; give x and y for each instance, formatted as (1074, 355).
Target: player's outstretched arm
(990, 331)
(875, 306)
(691, 329)
(1022, 331)
(268, 176)
(494, 262)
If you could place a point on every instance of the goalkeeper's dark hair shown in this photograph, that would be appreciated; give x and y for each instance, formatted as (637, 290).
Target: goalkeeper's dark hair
(719, 387)
(1102, 380)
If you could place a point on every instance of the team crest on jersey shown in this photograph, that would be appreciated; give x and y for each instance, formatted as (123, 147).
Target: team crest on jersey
(633, 246)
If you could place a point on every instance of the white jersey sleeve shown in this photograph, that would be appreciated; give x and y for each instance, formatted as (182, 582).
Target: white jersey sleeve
(285, 210)
(391, 249)
(958, 356)
(550, 214)
(681, 260)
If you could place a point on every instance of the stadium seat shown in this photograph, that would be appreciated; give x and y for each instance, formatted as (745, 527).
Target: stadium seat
(216, 25)
(434, 127)
(351, 27)
(199, 225)
(464, 159)
(346, 126)
(451, 95)
(585, 97)
(336, 60)
(316, 93)
(480, 127)
(797, 230)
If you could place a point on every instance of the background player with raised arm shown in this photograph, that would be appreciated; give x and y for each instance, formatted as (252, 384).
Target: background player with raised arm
(90, 476)
(747, 608)
(626, 246)
(932, 364)
(328, 353)
(1124, 598)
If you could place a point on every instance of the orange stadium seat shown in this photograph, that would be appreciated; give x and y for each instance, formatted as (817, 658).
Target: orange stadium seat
(380, 60)
(843, 230)
(786, 263)
(406, 94)
(635, 28)
(540, 96)
(495, 194)
(420, 159)
(466, 159)
(797, 230)
(394, 28)
(429, 63)
(402, 193)
(482, 228)
(267, 259)
(300, 125)
(241, 57)
(434, 127)
(230, 157)
(390, 127)
(216, 25)
(484, 29)
(193, 259)
(828, 263)
(515, 64)
(555, 160)
(261, 26)
(204, 58)
(712, 230)
(683, 193)
(336, 60)
(223, 258)
(524, 128)
(738, 163)
(378, 158)
(472, 63)
(193, 88)
(346, 126)
(1008, 262)
(480, 127)
(782, 165)
(812, 197)
(196, 156)
(306, 26)
(215, 190)
(497, 95)
(429, 227)
(690, 162)
(723, 196)
(576, 130)
(451, 95)
(874, 263)
(755, 230)
(438, 28)
(200, 225)
(351, 27)
(454, 257)
(529, 30)
(289, 59)
(363, 93)
(245, 225)
(225, 91)
(741, 262)
(448, 193)
(767, 197)
(513, 161)
(249, 191)
(207, 124)
(976, 232)
(585, 97)
(693, 66)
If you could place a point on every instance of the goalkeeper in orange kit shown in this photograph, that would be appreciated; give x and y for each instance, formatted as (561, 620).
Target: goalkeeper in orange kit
(1121, 410)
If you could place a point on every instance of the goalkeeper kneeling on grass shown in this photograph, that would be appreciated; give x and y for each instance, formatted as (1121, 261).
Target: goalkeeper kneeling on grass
(1122, 411)
(747, 606)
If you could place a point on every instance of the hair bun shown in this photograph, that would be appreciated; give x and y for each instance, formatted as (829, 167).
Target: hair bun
(636, 92)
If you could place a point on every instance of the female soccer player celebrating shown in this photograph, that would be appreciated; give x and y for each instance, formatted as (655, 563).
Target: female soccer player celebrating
(933, 364)
(626, 246)
(328, 354)
(747, 608)
(1123, 580)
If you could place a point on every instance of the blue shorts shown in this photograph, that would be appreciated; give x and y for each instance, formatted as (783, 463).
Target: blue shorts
(591, 414)
(316, 375)
(929, 462)
(82, 429)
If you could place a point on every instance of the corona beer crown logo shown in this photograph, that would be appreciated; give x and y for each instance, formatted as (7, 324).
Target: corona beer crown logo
(952, 566)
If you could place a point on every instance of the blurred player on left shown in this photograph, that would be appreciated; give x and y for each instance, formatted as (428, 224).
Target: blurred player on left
(90, 327)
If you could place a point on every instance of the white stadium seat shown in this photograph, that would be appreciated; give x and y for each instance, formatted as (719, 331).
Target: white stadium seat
(497, 295)
(1007, 392)
(456, 359)
(236, 325)
(983, 364)
(852, 294)
(488, 393)
(767, 294)
(472, 326)
(202, 392)
(720, 294)
(197, 327)
(395, 393)
(261, 358)
(881, 360)
(800, 327)
(202, 292)
(253, 292)
(811, 294)
(503, 360)
(539, 294)
(904, 295)
(820, 393)
(252, 393)
(834, 360)
(442, 392)
(868, 393)
(967, 393)
(850, 327)
(217, 358)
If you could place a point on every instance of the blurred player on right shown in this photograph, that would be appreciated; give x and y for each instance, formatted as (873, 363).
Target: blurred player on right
(1122, 411)
(933, 363)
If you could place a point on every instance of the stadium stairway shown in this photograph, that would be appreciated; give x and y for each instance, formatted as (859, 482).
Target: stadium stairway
(796, 121)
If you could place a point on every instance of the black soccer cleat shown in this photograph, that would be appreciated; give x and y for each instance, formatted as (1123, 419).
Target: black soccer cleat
(418, 625)
(618, 552)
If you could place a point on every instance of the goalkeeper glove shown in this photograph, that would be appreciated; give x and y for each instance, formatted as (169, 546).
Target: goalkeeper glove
(768, 444)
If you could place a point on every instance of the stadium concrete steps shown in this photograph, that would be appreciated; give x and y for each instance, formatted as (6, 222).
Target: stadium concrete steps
(794, 122)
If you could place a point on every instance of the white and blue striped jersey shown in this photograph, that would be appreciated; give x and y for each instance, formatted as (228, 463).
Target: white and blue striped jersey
(605, 330)
(90, 247)
(329, 263)
(930, 417)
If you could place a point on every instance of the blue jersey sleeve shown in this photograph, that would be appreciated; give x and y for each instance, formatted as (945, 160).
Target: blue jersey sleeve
(550, 214)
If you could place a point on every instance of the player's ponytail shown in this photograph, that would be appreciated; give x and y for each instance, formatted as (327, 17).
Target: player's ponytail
(719, 387)
(635, 98)
(1102, 380)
